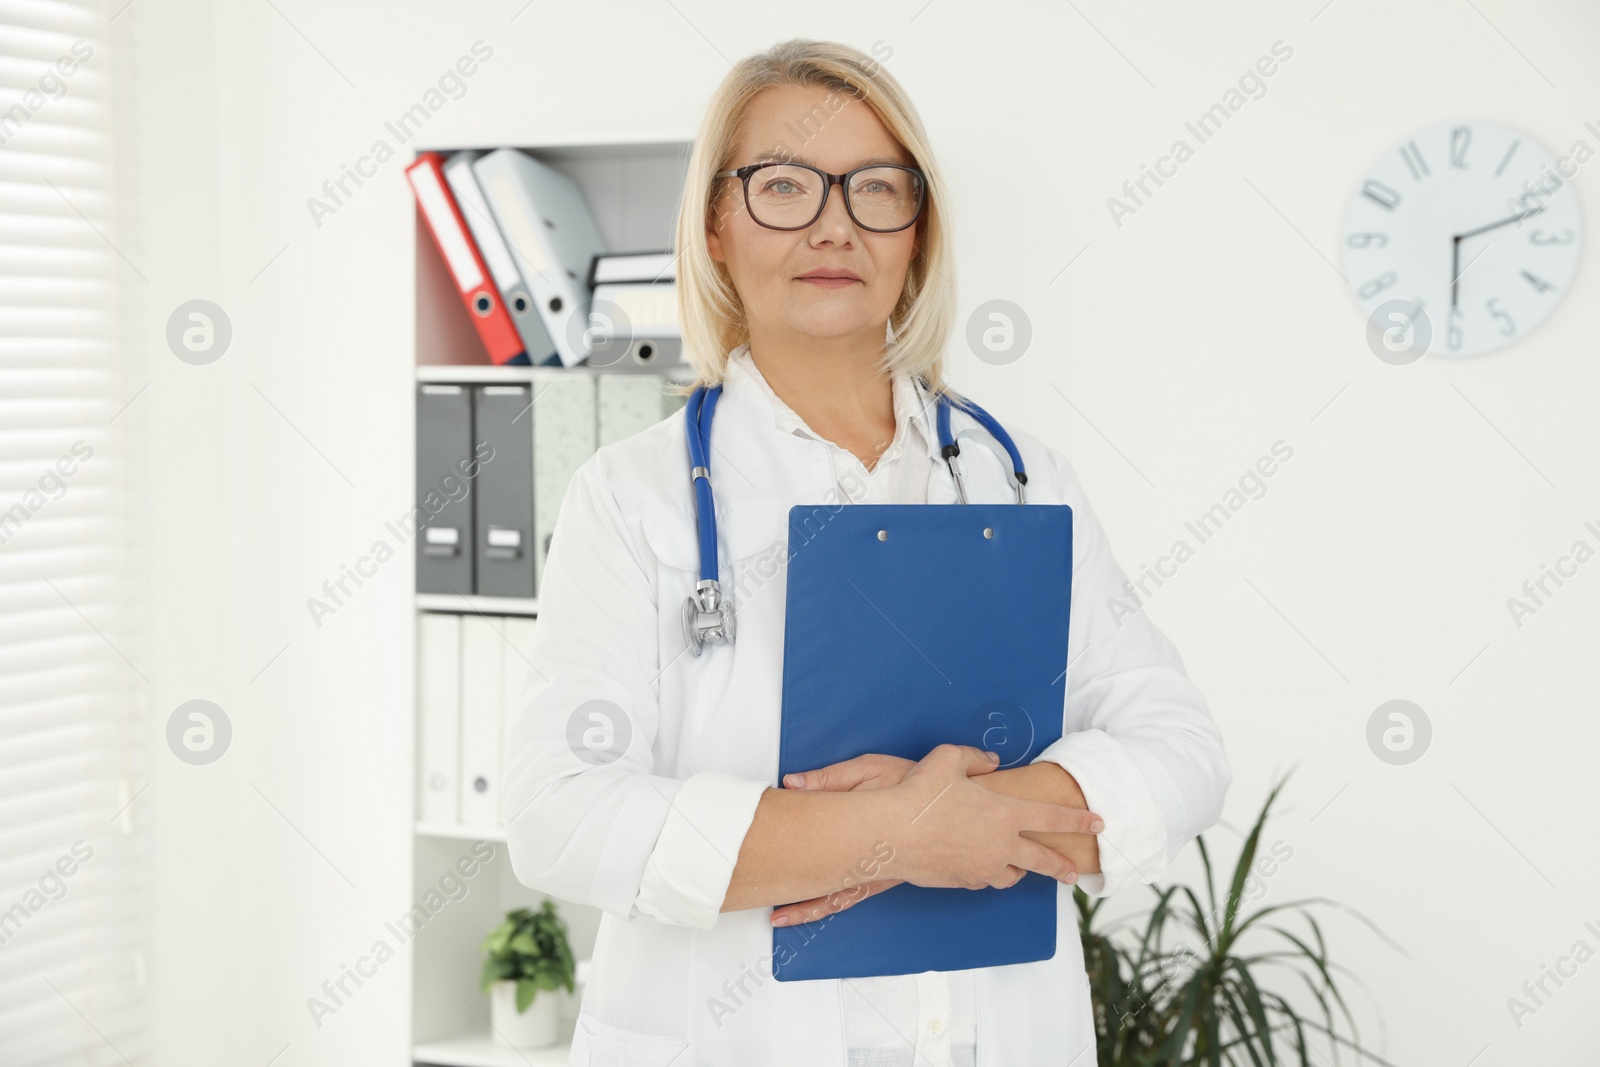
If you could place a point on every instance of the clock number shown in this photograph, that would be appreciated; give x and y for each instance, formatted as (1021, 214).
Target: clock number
(1507, 327)
(1378, 284)
(1460, 138)
(1365, 240)
(1380, 194)
(1413, 157)
(1454, 331)
(1507, 159)
(1539, 237)
(1538, 283)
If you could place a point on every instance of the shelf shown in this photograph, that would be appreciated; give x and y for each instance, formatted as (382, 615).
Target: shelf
(480, 1050)
(479, 373)
(461, 831)
(477, 605)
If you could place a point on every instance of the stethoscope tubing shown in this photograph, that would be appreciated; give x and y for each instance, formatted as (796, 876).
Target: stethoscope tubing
(697, 420)
(701, 408)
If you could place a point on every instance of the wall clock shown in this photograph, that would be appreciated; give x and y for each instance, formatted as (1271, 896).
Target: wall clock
(1461, 239)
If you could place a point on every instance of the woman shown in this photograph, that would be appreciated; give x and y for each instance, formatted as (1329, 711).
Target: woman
(642, 774)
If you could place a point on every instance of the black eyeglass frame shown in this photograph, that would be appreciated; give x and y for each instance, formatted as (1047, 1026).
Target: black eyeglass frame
(842, 180)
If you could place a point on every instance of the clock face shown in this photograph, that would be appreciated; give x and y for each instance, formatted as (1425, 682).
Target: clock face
(1460, 239)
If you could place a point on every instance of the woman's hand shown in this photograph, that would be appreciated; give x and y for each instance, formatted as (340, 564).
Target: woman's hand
(871, 771)
(957, 831)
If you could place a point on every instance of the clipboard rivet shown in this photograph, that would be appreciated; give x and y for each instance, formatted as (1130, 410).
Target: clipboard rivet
(883, 535)
(988, 531)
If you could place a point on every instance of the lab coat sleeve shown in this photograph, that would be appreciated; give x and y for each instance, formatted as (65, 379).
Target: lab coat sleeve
(1137, 735)
(583, 810)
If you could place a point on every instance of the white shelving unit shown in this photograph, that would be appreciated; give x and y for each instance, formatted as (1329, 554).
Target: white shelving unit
(478, 605)
(460, 832)
(633, 190)
(477, 1050)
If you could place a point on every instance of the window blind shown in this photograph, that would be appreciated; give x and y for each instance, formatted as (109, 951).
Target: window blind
(71, 856)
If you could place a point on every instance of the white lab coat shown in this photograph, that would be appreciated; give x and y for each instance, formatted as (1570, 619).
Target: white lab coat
(696, 744)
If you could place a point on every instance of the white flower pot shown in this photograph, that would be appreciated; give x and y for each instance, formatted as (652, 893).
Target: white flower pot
(538, 1027)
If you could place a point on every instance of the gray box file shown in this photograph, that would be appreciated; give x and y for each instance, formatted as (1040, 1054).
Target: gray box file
(503, 421)
(635, 327)
(444, 489)
(553, 239)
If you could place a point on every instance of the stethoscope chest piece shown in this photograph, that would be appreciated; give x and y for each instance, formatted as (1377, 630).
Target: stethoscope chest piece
(706, 617)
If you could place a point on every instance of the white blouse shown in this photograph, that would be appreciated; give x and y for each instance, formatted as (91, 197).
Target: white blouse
(926, 1019)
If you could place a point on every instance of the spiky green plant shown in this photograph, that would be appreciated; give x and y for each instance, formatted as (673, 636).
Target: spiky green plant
(1181, 1006)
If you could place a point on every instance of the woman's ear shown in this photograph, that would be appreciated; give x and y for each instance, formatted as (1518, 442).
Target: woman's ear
(714, 217)
(714, 241)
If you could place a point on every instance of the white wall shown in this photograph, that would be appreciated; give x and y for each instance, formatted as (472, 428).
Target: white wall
(1190, 339)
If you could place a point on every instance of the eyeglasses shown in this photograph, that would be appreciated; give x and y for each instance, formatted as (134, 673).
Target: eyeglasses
(882, 198)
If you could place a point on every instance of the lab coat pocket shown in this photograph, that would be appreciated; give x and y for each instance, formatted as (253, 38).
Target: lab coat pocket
(598, 1044)
(671, 536)
(743, 530)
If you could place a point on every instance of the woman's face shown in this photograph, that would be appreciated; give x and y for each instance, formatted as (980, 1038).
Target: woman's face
(767, 266)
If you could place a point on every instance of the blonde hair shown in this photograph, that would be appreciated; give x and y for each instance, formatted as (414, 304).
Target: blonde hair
(709, 309)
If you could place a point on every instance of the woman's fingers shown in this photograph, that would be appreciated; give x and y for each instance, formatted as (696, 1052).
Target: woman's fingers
(1032, 856)
(1008, 878)
(832, 904)
(964, 758)
(957, 832)
(1048, 817)
(876, 770)
(873, 770)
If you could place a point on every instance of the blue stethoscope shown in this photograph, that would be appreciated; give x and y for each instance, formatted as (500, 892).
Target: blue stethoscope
(706, 614)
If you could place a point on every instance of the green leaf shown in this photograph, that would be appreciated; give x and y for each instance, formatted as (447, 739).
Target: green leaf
(496, 941)
(487, 978)
(1252, 1003)
(1247, 857)
(526, 991)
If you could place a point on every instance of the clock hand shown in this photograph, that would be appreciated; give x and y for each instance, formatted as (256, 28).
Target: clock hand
(1455, 268)
(1497, 225)
(1455, 248)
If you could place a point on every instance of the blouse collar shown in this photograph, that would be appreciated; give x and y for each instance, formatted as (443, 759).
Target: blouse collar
(913, 405)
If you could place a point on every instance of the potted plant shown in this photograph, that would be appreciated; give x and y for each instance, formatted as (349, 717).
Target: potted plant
(1194, 996)
(528, 954)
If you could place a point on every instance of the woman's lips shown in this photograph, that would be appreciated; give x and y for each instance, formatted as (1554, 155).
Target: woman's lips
(831, 283)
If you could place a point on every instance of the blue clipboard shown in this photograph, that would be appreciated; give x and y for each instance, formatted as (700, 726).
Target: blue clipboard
(908, 626)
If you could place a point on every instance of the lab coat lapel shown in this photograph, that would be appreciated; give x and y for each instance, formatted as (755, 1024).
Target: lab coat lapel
(758, 473)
